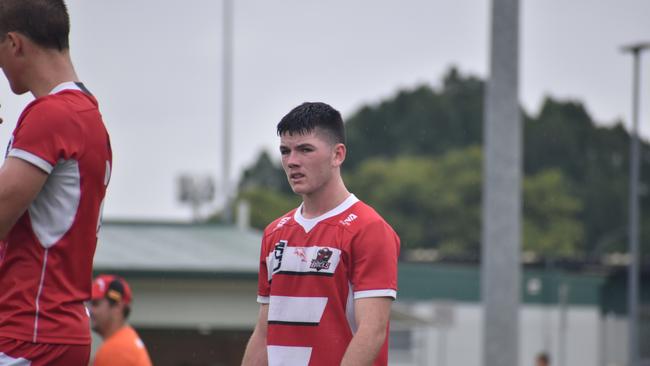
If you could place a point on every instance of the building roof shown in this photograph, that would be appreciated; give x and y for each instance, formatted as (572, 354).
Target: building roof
(202, 250)
(158, 250)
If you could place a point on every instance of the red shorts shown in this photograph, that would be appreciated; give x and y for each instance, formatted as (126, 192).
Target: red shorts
(20, 353)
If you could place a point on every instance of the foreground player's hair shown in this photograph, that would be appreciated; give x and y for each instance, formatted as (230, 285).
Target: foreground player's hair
(45, 22)
(308, 116)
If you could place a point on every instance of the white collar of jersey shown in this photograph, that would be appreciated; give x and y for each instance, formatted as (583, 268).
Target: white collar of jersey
(68, 85)
(309, 224)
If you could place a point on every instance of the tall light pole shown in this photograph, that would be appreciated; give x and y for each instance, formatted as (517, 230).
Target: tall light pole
(633, 233)
(227, 108)
(502, 170)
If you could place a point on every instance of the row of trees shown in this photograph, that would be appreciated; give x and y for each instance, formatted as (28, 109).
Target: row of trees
(417, 159)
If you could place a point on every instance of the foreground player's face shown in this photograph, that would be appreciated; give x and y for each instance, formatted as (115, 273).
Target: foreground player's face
(309, 160)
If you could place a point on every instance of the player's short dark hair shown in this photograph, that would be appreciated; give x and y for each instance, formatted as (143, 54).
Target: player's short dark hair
(309, 116)
(45, 22)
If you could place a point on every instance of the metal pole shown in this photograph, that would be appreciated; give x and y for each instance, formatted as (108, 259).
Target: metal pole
(633, 293)
(563, 296)
(501, 228)
(633, 233)
(227, 107)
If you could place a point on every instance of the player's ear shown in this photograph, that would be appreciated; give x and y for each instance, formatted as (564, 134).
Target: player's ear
(338, 156)
(16, 43)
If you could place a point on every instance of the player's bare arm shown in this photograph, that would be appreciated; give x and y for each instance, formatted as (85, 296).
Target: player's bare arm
(20, 183)
(255, 354)
(371, 316)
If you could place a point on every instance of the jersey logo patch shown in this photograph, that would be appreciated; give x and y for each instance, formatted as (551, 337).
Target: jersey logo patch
(300, 252)
(285, 259)
(348, 220)
(278, 252)
(282, 222)
(322, 259)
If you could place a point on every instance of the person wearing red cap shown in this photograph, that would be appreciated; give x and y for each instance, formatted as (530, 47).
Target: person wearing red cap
(109, 310)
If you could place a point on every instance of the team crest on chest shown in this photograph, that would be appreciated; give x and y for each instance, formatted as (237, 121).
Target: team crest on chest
(286, 259)
(322, 260)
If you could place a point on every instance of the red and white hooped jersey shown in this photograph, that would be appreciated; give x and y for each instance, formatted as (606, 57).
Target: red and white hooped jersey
(311, 270)
(46, 259)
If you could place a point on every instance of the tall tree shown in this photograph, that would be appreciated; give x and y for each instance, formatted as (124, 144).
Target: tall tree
(551, 216)
(421, 121)
(264, 174)
(267, 205)
(435, 202)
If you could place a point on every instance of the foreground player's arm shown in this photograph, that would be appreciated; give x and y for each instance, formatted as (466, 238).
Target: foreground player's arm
(255, 354)
(20, 183)
(371, 316)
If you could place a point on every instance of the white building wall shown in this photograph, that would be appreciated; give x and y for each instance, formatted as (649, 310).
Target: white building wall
(540, 330)
(615, 336)
(201, 304)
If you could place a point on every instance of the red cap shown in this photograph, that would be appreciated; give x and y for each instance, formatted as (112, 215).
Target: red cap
(111, 287)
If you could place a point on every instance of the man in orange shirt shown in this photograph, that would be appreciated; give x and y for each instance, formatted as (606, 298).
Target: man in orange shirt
(109, 310)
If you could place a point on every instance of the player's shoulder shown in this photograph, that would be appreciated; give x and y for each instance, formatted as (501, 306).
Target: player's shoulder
(48, 108)
(282, 221)
(62, 103)
(361, 216)
(75, 100)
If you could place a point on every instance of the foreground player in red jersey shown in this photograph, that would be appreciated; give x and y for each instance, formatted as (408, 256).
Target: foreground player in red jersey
(52, 185)
(328, 269)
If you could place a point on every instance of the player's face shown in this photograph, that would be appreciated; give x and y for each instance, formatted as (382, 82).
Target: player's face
(309, 160)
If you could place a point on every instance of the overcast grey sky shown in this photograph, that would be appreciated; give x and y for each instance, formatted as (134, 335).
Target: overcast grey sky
(155, 66)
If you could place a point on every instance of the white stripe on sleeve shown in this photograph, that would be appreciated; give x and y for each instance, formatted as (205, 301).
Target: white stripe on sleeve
(32, 159)
(375, 293)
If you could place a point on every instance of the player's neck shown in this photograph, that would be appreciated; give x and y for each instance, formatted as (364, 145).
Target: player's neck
(325, 199)
(50, 69)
